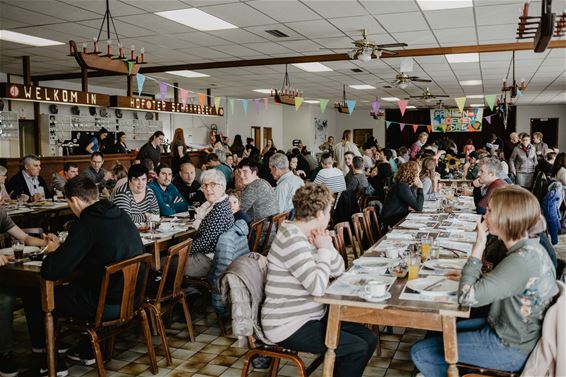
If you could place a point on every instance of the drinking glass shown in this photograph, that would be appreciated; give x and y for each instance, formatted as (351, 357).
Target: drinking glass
(450, 194)
(18, 249)
(435, 250)
(414, 262)
(426, 245)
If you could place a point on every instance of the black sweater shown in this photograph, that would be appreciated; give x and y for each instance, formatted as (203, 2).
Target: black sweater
(398, 200)
(104, 234)
(17, 186)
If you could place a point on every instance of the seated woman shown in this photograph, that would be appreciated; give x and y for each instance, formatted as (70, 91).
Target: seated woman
(135, 197)
(213, 218)
(520, 289)
(402, 196)
(300, 262)
(429, 177)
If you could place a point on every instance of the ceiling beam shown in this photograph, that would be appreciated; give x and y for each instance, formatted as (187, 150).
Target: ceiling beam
(498, 47)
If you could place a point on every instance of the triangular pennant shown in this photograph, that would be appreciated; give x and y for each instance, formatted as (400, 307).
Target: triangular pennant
(256, 103)
(351, 105)
(231, 104)
(460, 102)
(130, 65)
(375, 105)
(217, 102)
(402, 106)
(429, 128)
(162, 90)
(490, 100)
(201, 99)
(488, 119)
(265, 101)
(184, 96)
(387, 124)
(323, 103)
(519, 93)
(298, 102)
(415, 128)
(245, 105)
(401, 126)
(140, 79)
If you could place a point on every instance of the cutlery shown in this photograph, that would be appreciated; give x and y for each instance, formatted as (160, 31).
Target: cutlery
(428, 288)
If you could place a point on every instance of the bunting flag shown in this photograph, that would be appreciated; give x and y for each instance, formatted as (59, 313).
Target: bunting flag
(375, 105)
(245, 105)
(387, 124)
(401, 126)
(519, 93)
(130, 65)
(256, 103)
(429, 128)
(231, 104)
(298, 102)
(162, 90)
(488, 119)
(460, 102)
(403, 106)
(201, 99)
(184, 97)
(217, 102)
(141, 80)
(351, 105)
(490, 100)
(415, 128)
(323, 103)
(265, 101)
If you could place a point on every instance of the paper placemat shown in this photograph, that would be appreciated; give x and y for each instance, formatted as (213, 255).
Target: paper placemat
(409, 294)
(352, 284)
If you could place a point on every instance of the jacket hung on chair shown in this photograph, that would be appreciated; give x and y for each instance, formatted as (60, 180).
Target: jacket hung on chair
(551, 209)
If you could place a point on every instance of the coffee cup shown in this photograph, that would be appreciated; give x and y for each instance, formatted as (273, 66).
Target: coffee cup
(392, 253)
(375, 288)
(165, 226)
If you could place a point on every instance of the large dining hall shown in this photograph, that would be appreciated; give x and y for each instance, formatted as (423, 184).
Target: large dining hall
(283, 188)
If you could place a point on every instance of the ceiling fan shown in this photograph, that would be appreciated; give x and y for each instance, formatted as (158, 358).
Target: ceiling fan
(364, 49)
(427, 95)
(402, 81)
(439, 105)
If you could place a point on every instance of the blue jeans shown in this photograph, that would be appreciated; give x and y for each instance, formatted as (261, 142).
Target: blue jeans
(478, 345)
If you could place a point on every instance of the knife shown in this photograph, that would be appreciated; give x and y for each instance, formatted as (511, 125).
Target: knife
(428, 288)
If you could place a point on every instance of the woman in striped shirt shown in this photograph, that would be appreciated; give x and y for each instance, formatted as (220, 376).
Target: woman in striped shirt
(300, 262)
(136, 198)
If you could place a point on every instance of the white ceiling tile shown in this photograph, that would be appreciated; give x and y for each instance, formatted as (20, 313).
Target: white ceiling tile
(411, 21)
(154, 23)
(238, 36)
(415, 37)
(237, 51)
(53, 8)
(117, 8)
(455, 36)
(500, 14)
(261, 31)
(124, 29)
(285, 11)
(389, 6)
(302, 45)
(489, 33)
(17, 14)
(330, 9)
(155, 6)
(269, 48)
(450, 18)
(239, 14)
(315, 29)
(353, 25)
(340, 42)
(202, 39)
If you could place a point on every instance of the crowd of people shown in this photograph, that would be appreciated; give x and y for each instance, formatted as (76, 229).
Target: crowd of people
(239, 184)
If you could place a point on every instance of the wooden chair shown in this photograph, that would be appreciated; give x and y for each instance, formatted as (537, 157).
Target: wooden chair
(132, 307)
(359, 224)
(273, 227)
(339, 245)
(341, 229)
(256, 229)
(170, 292)
(373, 227)
(482, 372)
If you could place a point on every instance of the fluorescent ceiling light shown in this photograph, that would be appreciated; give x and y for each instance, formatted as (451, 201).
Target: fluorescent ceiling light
(390, 99)
(189, 74)
(311, 101)
(263, 91)
(362, 87)
(473, 57)
(470, 82)
(410, 107)
(475, 96)
(12, 36)
(197, 19)
(477, 105)
(444, 4)
(313, 67)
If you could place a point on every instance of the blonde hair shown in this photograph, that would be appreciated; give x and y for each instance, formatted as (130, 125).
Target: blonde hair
(407, 172)
(514, 210)
(310, 199)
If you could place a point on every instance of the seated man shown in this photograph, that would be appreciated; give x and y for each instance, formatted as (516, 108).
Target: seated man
(28, 185)
(8, 366)
(96, 172)
(213, 161)
(329, 176)
(471, 167)
(168, 197)
(287, 182)
(70, 170)
(258, 197)
(487, 181)
(186, 183)
(104, 234)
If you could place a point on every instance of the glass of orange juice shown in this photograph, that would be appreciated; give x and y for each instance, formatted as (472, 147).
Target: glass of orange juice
(414, 265)
(426, 245)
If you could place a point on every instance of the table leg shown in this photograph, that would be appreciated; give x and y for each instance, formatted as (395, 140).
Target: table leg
(48, 304)
(332, 339)
(450, 339)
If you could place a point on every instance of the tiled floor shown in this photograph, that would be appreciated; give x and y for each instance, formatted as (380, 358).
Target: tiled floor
(214, 355)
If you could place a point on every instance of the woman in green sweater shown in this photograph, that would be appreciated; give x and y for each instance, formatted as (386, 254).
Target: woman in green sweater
(519, 289)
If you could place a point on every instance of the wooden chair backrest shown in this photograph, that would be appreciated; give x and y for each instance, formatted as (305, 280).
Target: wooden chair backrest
(274, 223)
(373, 228)
(358, 222)
(180, 253)
(341, 229)
(256, 228)
(132, 294)
(339, 245)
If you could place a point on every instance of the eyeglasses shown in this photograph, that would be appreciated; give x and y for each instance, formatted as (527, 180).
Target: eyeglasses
(211, 185)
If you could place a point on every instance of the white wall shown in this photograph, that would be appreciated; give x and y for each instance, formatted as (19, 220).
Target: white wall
(525, 113)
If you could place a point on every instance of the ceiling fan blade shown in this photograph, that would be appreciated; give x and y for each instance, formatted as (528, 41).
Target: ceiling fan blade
(440, 96)
(387, 52)
(420, 80)
(417, 96)
(387, 45)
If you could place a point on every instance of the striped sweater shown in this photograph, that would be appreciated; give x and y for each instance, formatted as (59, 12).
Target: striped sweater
(297, 271)
(124, 199)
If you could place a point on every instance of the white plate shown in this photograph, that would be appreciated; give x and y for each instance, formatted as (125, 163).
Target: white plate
(27, 250)
(373, 263)
(33, 263)
(445, 264)
(369, 298)
(445, 287)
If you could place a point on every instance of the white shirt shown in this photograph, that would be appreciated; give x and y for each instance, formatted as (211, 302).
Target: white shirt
(33, 184)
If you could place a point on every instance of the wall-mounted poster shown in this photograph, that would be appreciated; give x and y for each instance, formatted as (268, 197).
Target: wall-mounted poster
(454, 120)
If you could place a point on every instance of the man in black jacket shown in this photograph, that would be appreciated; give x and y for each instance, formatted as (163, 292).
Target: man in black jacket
(28, 185)
(104, 234)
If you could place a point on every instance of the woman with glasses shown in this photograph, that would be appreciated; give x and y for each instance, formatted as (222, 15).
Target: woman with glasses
(213, 218)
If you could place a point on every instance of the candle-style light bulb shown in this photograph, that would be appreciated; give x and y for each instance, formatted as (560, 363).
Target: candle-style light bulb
(84, 47)
(95, 45)
(109, 47)
(120, 50)
(132, 51)
(142, 52)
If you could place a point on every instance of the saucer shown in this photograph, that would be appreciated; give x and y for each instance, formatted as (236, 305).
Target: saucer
(375, 298)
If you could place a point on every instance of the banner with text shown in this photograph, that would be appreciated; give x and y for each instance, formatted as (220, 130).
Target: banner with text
(454, 120)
